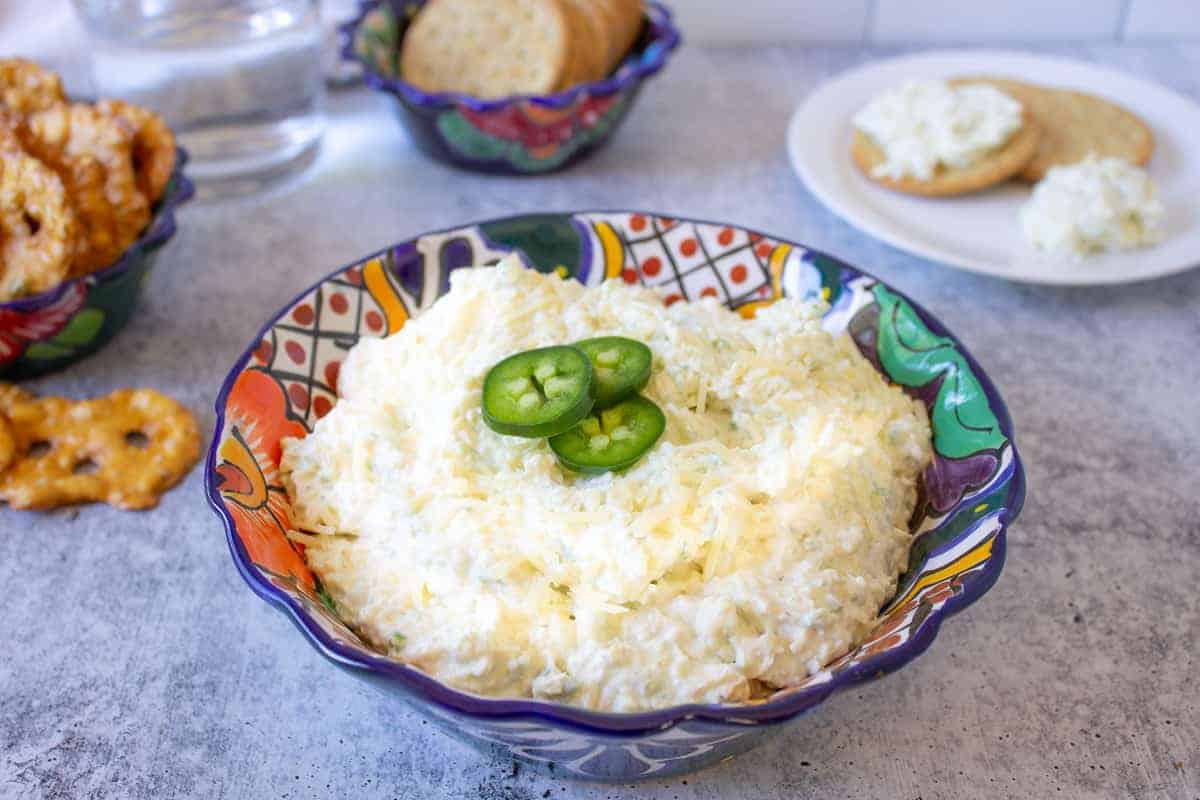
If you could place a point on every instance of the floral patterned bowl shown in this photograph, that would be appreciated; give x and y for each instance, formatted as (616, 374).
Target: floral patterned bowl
(48, 331)
(287, 380)
(516, 135)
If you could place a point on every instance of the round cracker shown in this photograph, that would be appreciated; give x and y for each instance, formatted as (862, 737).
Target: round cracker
(611, 27)
(589, 44)
(486, 48)
(629, 16)
(577, 64)
(996, 167)
(1075, 125)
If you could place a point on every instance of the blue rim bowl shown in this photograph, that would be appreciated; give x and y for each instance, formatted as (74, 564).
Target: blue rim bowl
(286, 380)
(516, 135)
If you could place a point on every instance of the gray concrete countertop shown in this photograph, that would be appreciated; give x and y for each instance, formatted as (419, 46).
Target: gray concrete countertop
(137, 663)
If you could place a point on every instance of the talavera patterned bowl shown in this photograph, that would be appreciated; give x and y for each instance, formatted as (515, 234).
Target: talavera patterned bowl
(45, 332)
(287, 380)
(516, 135)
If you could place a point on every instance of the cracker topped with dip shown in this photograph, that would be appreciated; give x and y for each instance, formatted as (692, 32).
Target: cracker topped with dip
(941, 138)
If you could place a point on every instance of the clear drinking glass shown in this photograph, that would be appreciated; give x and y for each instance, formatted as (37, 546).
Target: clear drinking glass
(239, 81)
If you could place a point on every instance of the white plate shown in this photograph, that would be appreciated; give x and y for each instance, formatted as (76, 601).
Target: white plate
(980, 232)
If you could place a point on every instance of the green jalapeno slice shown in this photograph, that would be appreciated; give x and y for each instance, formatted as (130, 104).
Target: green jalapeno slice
(620, 367)
(538, 393)
(612, 439)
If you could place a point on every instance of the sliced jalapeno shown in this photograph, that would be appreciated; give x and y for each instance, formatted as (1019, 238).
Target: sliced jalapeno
(612, 439)
(538, 392)
(620, 367)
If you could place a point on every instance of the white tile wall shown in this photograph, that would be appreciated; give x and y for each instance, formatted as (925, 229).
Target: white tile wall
(989, 21)
(1163, 18)
(771, 20)
(942, 20)
(42, 27)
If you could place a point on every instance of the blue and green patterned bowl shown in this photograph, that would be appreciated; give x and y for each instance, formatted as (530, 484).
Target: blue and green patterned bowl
(518, 135)
(48, 331)
(287, 379)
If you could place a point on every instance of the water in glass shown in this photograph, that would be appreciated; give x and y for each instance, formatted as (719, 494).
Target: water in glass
(239, 81)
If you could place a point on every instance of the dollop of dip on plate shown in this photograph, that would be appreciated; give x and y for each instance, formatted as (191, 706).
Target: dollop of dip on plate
(753, 544)
(922, 125)
(1097, 205)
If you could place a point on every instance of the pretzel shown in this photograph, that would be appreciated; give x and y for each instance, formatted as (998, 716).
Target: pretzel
(11, 394)
(125, 449)
(38, 227)
(78, 182)
(25, 87)
(8, 443)
(93, 155)
(153, 145)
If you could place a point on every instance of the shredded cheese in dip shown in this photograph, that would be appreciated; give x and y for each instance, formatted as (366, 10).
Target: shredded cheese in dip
(926, 124)
(1093, 206)
(751, 545)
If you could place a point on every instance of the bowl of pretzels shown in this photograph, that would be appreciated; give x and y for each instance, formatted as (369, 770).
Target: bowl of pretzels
(88, 193)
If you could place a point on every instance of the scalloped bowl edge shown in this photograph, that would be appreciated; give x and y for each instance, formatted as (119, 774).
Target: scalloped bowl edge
(784, 705)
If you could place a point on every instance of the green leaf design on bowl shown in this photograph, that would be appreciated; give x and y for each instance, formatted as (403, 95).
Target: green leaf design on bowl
(327, 599)
(80, 331)
(46, 351)
(547, 240)
(831, 276)
(378, 39)
(952, 529)
(963, 422)
(82, 328)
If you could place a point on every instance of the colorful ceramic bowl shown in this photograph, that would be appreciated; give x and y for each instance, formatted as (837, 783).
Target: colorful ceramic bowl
(48, 331)
(287, 380)
(516, 135)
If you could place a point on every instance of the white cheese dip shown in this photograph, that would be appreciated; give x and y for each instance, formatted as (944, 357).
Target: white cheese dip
(1093, 206)
(753, 543)
(926, 124)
